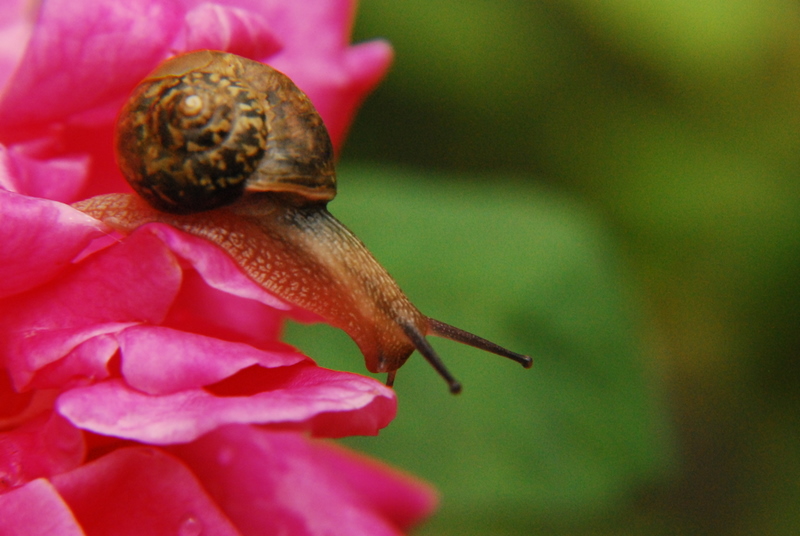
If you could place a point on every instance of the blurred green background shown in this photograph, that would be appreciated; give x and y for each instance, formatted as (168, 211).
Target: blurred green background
(613, 188)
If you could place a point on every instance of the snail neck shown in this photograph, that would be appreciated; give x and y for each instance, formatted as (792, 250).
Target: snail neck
(350, 288)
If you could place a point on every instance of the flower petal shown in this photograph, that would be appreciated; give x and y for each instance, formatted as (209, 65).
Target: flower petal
(87, 362)
(317, 57)
(399, 497)
(200, 308)
(132, 282)
(16, 25)
(58, 179)
(136, 491)
(283, 483)
(36, 509)
(215, 27)
(158, 360)
(38, 239)
(44, 446)
(326, 402)
(96, 49)
(12, 403)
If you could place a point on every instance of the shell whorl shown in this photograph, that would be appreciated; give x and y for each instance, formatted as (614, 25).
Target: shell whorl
(197, 138)
(207, 126)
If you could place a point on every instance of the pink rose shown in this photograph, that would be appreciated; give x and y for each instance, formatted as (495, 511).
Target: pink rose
(144, 388)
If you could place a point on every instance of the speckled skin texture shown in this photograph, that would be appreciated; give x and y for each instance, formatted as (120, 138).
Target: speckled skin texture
(301, 254)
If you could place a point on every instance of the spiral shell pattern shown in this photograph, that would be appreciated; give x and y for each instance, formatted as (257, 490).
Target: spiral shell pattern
(189, 143)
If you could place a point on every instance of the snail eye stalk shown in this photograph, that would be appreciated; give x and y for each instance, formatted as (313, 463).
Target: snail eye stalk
(441, 329)
(424, 347)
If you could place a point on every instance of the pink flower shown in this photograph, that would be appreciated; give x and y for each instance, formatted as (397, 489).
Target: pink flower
(143, 388)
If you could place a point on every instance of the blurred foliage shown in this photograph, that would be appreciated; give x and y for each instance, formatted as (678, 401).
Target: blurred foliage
(613, 187)
(532, 271)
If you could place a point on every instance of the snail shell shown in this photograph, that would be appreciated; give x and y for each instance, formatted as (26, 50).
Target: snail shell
(208, 126)
(230, 150)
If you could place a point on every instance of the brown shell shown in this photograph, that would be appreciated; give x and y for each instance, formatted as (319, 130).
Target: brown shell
(206, 127)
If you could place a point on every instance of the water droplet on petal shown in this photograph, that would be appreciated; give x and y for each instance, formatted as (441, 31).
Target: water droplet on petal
(190, 526)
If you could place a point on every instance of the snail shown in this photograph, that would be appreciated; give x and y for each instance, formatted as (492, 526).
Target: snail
(230, 150)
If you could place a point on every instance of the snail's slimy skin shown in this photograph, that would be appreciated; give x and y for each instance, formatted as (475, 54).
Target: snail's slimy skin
(303, 255)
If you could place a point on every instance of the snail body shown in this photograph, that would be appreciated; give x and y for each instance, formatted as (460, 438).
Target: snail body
(230, 150)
